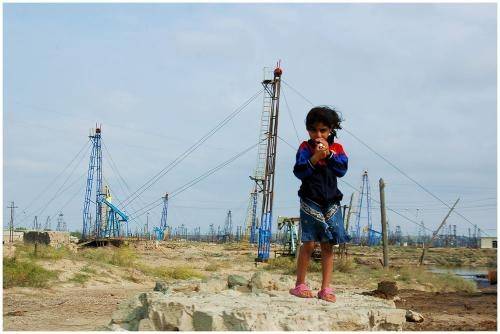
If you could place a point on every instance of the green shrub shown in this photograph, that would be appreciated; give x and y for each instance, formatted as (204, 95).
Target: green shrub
(118, 256)
(284, 263)
(89, 270)
(79, 278)
(345, 265)
(25, 273)
(212, 267)
(180, 272)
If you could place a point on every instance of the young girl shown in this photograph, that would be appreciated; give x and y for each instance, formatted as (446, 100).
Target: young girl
(319, 162)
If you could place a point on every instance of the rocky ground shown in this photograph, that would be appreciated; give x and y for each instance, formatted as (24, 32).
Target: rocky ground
(67, 305)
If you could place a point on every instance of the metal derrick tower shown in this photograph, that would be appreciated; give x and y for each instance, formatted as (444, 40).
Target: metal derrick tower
(271, 95)
(228, 227)
(61, 224)
(111, 225)
(160, 231)
(372, 237)
(92, 229)
(252, 220)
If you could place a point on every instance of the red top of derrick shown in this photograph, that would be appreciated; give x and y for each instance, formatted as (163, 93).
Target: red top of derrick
(98, 130)
(278, 71)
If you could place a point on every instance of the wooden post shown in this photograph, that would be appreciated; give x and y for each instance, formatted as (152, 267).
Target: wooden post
(385, 242)
(434, 235)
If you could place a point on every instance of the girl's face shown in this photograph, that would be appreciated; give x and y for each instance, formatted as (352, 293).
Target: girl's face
(319, 130)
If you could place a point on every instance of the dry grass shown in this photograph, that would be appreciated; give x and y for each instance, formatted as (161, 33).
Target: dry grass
(25, 273)
(118, 256)
(179, 272)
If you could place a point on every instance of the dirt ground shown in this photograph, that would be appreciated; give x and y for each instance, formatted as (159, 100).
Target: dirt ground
(68, 306)
(451, 311)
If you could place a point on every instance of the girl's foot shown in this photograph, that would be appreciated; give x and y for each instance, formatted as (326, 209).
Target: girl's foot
(327, 294)
(302, 291)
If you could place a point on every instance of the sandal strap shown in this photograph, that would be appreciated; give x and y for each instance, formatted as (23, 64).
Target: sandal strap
(326, 291)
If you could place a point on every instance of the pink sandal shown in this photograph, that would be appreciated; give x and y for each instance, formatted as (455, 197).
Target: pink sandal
(301, 291)
(327, 294)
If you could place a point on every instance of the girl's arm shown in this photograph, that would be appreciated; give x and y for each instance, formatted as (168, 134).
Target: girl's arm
(303, 166)
(337, 160)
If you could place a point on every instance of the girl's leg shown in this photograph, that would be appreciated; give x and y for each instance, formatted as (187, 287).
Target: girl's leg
(305, 252)
(326, 263)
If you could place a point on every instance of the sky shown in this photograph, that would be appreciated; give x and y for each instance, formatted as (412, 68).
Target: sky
(414, 82)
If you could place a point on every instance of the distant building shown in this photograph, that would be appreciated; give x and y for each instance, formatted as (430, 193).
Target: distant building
(488, 242)
(17, 236)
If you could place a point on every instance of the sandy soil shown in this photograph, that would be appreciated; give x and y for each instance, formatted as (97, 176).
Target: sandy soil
(451, 311)
(69, 306)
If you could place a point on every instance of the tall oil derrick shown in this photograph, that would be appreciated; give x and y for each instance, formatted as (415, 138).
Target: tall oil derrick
(252, 221)
(111, 225)
(365, 196)
(92, 229)
(47, 224)
(272, 93)
(398, 235)
(228, 228)
(160, 230)
(61, 224)
(36, 227)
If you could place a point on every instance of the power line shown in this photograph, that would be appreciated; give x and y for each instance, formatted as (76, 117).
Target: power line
(191, 183)
(190, 150)
(52, 182)
(392, 165)
(290, 114)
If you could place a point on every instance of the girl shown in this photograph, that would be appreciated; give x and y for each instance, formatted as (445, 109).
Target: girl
(319, 162)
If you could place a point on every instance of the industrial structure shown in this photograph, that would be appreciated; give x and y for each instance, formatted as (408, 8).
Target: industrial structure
(111, 223)
(271, 98)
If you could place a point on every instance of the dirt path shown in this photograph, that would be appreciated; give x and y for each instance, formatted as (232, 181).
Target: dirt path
(451, 311)
(68, 309)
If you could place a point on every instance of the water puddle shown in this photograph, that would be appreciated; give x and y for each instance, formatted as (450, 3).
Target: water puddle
(476, 274)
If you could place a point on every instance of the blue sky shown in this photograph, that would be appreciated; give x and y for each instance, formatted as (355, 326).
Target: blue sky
(416, 82)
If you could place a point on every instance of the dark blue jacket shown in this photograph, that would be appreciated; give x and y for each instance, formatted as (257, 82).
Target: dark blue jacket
(319, 182)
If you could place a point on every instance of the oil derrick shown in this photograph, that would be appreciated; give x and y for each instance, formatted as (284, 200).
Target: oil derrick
(95, 165)
(36, 227)
(228, 228)
(111, 225)
(61, 224)
(47, 224)
(455, 236)
(398, 235)
(371, 237)
(271, 98)
(211, 233)
(160, 230)
(251, 222)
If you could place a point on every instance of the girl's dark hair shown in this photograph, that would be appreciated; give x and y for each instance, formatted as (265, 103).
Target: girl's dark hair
(326, 115)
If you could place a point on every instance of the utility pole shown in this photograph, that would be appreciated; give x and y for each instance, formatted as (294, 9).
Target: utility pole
(436, 232)
(11, 222)
(384, 223)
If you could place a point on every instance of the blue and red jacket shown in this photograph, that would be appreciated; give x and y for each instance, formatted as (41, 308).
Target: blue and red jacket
(319, 182)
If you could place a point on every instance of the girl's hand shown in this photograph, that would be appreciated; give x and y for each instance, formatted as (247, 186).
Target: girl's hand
(321, 151)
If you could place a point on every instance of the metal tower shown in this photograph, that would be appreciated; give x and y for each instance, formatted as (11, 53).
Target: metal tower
(92, 229)
(372, 236)
(251, 222)
(160, 231)
(36, 227)
(271, 98)
(47, 224)
(111, 225)
(228, 227)
(61, 224)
